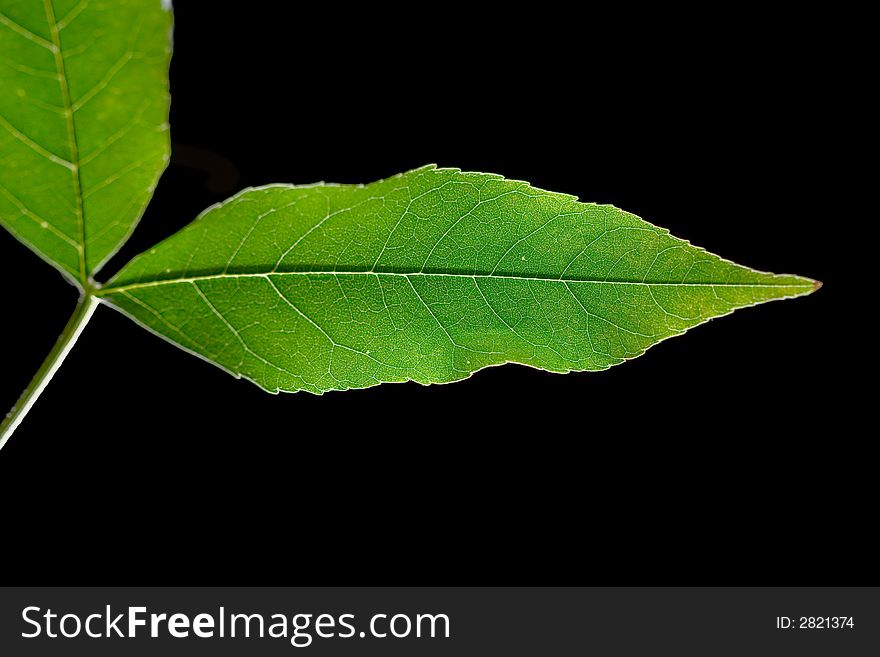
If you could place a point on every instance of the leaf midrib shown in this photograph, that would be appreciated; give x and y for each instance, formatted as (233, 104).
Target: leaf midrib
(110, 289)
(71, 135)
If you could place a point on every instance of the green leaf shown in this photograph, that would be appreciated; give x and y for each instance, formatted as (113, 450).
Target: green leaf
(83, 124)
(427, 276)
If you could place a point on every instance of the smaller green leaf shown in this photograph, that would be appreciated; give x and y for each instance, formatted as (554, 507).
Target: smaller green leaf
(83, 124)
(428, 276)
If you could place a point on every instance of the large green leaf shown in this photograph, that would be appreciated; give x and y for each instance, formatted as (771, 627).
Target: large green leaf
(83, 123)
(427, 276)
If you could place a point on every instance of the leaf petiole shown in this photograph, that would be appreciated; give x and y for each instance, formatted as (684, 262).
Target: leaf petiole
(84, 310)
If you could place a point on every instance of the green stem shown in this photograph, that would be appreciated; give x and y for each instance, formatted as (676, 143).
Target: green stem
(81, 316)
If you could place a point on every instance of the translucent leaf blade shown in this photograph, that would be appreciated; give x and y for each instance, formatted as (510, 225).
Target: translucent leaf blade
(83, 124)
(428, 276)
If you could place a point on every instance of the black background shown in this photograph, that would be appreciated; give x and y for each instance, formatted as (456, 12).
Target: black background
(719, 457)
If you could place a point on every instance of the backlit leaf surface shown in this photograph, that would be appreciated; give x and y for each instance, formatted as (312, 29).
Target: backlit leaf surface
(427, 276)
(83, 123)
